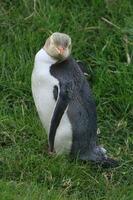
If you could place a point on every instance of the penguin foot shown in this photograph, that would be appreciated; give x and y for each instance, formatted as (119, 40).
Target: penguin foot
(51, 153)
(108, 163)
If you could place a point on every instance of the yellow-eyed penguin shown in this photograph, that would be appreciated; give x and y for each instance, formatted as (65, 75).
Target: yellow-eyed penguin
(64, 102)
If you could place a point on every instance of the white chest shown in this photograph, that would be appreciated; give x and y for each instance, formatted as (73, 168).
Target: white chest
(42, 89)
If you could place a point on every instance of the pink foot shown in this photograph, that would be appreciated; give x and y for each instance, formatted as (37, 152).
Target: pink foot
(51, 152)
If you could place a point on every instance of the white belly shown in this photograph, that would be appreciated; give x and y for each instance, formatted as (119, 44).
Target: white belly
(63, 138)
(42, 89)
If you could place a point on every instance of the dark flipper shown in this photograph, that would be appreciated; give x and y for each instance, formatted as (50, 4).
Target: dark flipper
(66, 90)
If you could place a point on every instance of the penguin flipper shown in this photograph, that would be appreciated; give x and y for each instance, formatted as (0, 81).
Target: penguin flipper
(66, 90)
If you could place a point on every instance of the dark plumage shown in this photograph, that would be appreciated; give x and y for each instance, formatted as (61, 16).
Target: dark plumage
(76, 96)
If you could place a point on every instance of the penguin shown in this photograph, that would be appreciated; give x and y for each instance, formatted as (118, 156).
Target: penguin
(65, 103)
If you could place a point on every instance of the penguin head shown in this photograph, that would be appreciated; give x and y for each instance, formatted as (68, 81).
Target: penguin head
(58, 46)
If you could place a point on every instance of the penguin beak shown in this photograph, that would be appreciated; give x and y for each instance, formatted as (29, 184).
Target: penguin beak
(60, 50)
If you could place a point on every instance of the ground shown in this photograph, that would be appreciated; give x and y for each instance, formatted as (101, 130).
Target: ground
(102, 37)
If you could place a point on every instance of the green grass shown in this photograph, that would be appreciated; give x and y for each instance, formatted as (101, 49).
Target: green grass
(26, 171)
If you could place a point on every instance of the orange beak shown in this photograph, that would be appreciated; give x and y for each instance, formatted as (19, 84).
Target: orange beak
(60, 50)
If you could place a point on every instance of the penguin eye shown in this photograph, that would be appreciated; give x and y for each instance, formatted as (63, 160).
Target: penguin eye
(65, 44)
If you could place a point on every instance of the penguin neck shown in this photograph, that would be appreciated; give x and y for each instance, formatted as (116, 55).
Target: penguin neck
(43, 56)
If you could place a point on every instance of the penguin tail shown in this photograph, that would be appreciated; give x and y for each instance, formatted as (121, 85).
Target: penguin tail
(99, 156)
(108, 163)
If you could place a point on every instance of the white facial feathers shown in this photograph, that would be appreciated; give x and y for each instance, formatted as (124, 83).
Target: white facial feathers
(58, 46)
